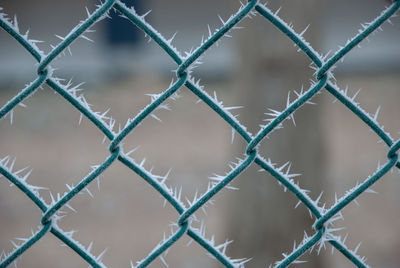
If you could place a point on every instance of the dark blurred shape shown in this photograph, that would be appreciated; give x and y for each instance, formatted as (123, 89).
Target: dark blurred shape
(120, 31)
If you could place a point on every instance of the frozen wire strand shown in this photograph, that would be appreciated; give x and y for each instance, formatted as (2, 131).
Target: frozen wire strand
(286, 114)
(67, 197)
(230, 23)
(209, 194)
(75, 33)
(315, 57)
(219, 251)
(176, 202)
(171, 51)
(145, 112)
(355, 192)
(362, 34)
(31, 192)
(157, 38)
(195, 88)
(349, 102)
(110, 135)
(165, 244)
(34, 239)
(31, 46)
(79, 103)
(22, 95)
(305, 47)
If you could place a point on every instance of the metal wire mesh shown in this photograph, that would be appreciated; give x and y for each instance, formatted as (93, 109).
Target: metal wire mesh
(324, 80)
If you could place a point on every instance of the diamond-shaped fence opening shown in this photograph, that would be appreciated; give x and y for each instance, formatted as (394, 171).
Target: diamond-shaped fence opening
(350, 138)
(189, 222)
(108, 212)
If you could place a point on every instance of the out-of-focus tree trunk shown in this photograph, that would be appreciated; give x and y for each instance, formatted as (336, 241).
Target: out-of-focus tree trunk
(262, 219)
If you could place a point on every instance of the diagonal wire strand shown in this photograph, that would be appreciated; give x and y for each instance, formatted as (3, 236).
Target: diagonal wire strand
(324, 77)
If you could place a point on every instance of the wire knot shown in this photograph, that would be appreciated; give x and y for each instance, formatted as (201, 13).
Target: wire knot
(182, 221)
(42, 71)
(319, 225)
(181, 71)
(394, 150)
(251, 150)
(46, 219)
(114, 146)
(42, 68)
(322, 72)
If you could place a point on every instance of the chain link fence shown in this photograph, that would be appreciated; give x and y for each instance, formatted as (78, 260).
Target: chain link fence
(324, 79)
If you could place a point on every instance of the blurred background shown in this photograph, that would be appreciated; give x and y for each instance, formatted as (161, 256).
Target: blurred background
(256, 68)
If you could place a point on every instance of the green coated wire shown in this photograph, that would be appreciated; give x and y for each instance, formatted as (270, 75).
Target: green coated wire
(183, 78)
